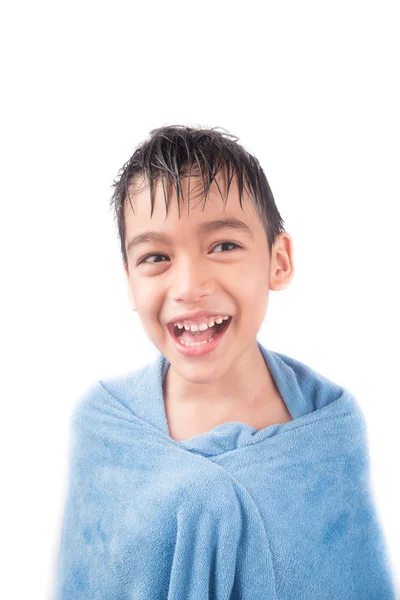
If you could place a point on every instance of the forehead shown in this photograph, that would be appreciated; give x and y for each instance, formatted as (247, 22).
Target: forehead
(188, 218)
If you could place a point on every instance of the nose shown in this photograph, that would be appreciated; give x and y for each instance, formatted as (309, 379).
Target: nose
(190, 280)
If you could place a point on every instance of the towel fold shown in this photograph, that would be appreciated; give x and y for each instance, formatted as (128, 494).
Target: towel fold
(286, 512)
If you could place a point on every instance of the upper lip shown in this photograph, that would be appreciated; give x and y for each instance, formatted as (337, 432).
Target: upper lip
(196, 316)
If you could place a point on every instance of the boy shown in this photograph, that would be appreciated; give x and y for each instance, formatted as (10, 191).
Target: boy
(223, 470)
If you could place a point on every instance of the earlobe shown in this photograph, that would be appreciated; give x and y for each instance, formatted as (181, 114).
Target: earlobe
(282, 267)
(281, 279)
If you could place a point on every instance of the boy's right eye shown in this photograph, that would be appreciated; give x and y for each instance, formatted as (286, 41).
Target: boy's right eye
(144, 259)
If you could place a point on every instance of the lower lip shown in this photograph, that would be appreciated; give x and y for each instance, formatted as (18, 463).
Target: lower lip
(203, 348)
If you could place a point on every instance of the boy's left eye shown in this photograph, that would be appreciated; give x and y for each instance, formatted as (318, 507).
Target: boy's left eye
(144, 259)
(227, 244)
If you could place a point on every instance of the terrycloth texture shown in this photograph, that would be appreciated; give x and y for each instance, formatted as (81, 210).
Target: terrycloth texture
(286, 512)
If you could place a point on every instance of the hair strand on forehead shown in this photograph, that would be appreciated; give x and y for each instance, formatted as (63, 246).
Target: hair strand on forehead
(173, 152)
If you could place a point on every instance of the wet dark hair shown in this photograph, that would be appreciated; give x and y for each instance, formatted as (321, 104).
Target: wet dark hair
(171, 151)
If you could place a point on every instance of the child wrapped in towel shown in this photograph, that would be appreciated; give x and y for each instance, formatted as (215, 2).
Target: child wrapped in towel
(223, 470)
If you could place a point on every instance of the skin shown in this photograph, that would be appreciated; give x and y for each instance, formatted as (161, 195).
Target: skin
(198, 274)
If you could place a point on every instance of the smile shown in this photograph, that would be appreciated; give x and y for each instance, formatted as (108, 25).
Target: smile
(185, 342)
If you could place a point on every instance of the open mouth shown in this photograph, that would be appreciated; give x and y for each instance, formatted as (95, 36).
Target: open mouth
(191, 337)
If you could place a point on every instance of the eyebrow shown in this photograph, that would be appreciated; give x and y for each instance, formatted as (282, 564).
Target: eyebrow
(203, 229)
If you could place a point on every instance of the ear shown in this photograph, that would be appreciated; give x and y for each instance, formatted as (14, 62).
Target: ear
(282, 267)
(131, 296)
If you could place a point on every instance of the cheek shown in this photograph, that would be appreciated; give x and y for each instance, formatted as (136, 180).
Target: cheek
(146, 292)
(251, 291)
(251, 283)
(147, 300)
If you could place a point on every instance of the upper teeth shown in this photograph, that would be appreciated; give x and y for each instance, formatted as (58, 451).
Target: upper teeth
(202, 326)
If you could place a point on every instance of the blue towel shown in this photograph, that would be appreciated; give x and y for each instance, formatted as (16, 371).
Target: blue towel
(286, 512)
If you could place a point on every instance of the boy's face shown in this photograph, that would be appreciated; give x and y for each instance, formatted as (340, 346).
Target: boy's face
(195, 273)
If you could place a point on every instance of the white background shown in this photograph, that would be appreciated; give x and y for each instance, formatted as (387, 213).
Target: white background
(311, 88)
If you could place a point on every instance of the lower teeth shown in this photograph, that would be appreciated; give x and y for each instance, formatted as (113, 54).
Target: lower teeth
(192, 344)
(198, 343)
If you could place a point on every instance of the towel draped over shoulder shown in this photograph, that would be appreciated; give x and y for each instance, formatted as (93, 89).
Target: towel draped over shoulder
(286, 512)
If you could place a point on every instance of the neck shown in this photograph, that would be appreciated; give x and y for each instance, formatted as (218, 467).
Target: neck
(231, 390)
